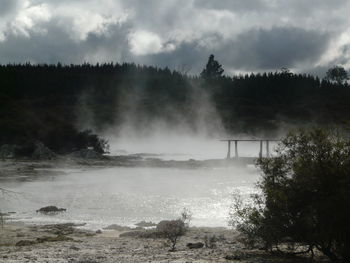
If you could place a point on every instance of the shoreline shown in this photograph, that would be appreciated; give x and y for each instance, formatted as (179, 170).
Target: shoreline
(67, 243)
(121, 161)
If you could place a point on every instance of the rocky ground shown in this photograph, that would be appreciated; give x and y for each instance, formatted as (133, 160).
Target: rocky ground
(68, 243)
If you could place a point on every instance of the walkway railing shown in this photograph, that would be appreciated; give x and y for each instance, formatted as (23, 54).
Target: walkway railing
(267, 143)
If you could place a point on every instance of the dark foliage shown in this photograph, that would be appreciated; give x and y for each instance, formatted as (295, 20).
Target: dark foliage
(305, 196)
(172, 230)
(88, 139)
(337, 74)
(213, 70)
(44, 102)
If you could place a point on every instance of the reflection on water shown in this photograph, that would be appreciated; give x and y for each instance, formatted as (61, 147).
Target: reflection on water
(100, 197)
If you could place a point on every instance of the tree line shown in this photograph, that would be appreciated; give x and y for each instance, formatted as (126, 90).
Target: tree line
(45, 102)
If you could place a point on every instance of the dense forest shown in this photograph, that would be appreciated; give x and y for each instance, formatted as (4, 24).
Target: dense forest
(48, 103)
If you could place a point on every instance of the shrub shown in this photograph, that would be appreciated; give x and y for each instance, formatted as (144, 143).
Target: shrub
(2, 220)
(305, 196)
(186, 216)
(210, 241)
(172, 230)
(87, 138)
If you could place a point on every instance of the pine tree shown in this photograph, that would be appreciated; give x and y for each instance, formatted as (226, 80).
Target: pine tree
(213, 69)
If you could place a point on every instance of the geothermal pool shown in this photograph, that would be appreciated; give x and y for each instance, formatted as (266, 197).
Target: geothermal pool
(103, 196)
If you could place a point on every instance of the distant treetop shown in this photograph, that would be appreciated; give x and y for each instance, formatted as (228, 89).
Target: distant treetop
(213, 69)
(337, 74)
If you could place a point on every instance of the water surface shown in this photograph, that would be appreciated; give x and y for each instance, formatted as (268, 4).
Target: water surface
(103, 196)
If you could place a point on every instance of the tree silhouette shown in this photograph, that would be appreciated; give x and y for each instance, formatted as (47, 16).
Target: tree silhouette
(304, 193)
(213, 70)
(337, 74)
(45, 102)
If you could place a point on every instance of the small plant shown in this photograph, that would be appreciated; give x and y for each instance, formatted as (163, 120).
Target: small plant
(2, 220)
(243, 217)
(210, 241)
(186, 216)
(172, 230)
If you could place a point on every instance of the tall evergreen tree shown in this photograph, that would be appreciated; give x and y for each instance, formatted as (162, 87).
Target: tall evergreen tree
(213, 69)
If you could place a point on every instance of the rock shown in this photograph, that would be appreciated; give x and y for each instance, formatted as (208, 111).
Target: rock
(236, 256)
(42, 240)
(260, 260)
(98, 232)
(53, 239)
(41, 152)
(50, 209)
(23, 243)
(195, 245)
(74, 248)
(145, 224)
(86, 154)
(117, 228)
(60, 229)
(150, 233)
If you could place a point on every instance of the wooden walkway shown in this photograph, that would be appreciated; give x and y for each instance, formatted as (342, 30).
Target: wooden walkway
(261, 153)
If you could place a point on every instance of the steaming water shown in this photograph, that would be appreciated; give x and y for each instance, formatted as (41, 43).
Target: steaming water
(183, 147)
(125, 196)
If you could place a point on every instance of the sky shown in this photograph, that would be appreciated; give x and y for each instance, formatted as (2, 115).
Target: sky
(244, 35)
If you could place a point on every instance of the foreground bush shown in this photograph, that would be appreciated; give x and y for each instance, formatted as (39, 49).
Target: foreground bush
(172, 230)
(305, 197)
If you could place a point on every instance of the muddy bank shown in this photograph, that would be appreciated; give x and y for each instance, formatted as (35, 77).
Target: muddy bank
(68, 243)
(28, 165)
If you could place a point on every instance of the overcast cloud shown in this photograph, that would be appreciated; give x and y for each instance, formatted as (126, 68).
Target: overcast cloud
(244, 35)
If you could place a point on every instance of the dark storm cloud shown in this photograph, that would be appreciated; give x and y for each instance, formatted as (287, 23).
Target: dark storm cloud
(300, 7)
(248, 35)
(41, 48)
(275, 48)
(58, 46)
(188, 55)
(7, 6)
(256, 49)
(233, 5)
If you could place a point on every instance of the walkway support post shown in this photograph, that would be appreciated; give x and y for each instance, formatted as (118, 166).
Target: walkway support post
(267, 149)
(261, 149)
(236, 149)
(228, 149)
